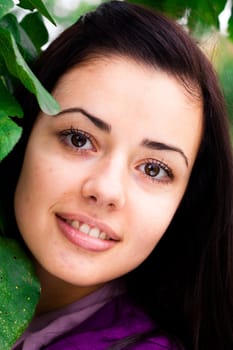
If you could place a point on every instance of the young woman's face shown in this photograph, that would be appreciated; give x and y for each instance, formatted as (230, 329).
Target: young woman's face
(102, 180)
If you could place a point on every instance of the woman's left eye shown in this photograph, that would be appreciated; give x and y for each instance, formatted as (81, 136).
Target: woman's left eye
(156, 171)
(77, 139)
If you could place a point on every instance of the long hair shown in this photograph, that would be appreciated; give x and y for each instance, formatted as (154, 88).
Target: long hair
(186, 284)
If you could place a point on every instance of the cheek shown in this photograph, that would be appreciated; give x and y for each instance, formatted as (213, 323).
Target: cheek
(152, 220)
(34, 187)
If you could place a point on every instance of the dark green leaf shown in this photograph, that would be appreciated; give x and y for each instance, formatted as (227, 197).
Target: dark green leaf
(26, 46)
(8, 104)
(9, 135)
(19, 68)
(230, 27)
(205, 13)
(172, 8)
(39, 5)
(33, 25)
(10, 22)
(19, 290)
(9, 80)
(5, 7)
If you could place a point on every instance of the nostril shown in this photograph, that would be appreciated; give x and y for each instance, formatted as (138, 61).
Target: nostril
(93, 198)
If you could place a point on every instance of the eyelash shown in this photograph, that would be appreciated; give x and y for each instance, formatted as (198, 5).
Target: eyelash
(162, 166)
(76, 132)
(71, 132)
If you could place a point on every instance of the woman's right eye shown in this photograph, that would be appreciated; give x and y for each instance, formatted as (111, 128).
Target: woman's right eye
(77, 139)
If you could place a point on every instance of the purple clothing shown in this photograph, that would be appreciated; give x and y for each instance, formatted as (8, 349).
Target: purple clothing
(95, 322)
(47, 327)
(116, 320)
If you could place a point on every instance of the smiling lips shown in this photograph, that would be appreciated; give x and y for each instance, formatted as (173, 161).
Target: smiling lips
(85, 228)
(86, 233)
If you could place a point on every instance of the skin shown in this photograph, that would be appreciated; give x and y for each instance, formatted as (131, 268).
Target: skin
(106, 182)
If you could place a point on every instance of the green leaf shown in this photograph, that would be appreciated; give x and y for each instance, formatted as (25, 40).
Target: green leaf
(230, 27)
(205, 13)
(172, 8)
(10, 22)
(19, 68)
(9, 135)
(8, 104)
(39, 5)
(34, 27)
(26, 46)
(5, 7)
(19, 290)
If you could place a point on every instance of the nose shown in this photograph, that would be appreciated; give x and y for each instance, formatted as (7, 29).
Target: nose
(105, 184)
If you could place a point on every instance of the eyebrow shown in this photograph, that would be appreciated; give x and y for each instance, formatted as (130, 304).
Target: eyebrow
(102, 125)
(99, 123)
(164, 147)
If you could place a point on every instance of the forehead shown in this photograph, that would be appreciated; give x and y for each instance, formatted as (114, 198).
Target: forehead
(104, 67)
(119, 85)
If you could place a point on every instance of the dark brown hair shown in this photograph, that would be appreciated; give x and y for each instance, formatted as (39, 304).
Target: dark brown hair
(186, 284)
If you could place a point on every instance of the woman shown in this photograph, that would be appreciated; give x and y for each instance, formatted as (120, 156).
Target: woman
(124, 199)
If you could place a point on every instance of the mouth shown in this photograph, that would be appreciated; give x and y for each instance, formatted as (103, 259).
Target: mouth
(86, 232)
(94, 232)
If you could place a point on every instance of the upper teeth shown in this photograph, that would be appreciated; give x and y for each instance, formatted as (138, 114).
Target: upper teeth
(91, 231)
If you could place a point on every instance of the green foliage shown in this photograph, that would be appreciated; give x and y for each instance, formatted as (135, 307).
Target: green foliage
(34, 27)
(82, 6)
(205, 12)
(5, 7)
(18, 67)
(19, 292)
(20, 44)
(9, 134)
(38, 5)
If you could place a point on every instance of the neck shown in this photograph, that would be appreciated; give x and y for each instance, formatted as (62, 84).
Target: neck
(56, 293)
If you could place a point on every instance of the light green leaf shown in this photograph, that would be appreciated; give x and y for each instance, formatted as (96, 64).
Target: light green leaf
(19, 68)
(5, 7)
(10, 133)
(39, 5)
(19, 290)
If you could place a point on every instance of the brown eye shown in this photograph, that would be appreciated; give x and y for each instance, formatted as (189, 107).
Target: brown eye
(156, 170)
(79, 140)
(152, 169)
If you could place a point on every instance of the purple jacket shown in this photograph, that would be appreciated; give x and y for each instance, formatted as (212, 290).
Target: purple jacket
(116, 320)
